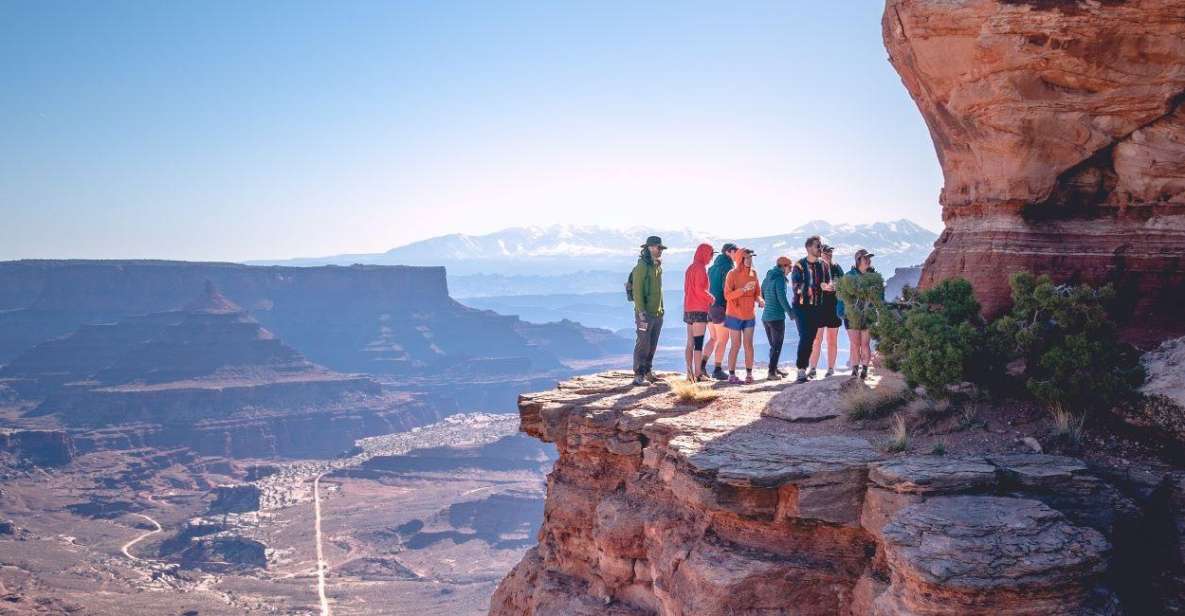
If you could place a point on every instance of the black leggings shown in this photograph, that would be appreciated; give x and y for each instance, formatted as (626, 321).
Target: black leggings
(807, 320)
(775, 332)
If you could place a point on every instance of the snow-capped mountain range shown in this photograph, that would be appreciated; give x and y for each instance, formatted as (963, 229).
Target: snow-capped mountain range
(567, 249)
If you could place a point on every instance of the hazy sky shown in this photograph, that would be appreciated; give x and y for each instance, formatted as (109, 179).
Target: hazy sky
(245, 130)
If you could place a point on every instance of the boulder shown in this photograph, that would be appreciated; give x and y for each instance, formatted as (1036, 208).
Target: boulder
(986, 555)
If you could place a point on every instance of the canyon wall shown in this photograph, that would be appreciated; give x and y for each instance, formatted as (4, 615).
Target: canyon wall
(1060, 130)
(393, 320)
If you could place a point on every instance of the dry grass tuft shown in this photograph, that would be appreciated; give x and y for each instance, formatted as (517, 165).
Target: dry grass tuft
(898, 435)
(687, 391)
(862, 402)
(1066, 425)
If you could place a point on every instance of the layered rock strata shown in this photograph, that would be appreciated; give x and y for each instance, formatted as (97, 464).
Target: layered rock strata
(657, 506)
(1061, 134)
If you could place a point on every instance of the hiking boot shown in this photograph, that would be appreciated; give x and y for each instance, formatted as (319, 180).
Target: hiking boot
(801, 377)
(830, 373)
(733, 380)
(639, 380)
(719, 375)
(774, 375)
(748, 378)
(783, 373)
(651, 376)
(864, 372)
(812, 374)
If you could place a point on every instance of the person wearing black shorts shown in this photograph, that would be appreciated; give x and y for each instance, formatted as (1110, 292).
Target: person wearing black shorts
(828, 315)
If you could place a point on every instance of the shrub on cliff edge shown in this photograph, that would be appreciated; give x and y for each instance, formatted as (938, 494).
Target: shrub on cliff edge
(1071, 352)
(936, 337)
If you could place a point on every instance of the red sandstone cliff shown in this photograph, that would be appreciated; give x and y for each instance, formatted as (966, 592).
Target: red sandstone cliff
(658, 507)
(1061, 133)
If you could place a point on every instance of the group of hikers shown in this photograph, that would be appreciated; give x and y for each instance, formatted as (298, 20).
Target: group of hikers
(720, 298)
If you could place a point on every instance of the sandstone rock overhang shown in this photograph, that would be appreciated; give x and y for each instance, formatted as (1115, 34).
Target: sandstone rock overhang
(658, 506)
(1060, 130)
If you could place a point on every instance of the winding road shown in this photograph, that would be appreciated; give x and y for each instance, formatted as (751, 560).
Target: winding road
(127, 547)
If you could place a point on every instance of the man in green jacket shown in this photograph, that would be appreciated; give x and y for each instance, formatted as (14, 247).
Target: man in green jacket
(646, 281)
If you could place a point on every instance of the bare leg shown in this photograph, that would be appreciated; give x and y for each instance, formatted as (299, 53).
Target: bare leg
(815, 349)
(734, 337)
(712, 342)
(749, 349)
(695, 330)
(832, 346)
(854, 349)
(866, 346)
(687, 355)
(722, 336)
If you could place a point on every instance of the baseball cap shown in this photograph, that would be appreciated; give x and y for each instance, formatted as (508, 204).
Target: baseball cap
(727, 247)
(860, 254)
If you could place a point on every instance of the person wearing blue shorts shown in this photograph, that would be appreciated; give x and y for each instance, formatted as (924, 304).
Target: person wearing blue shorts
(741, 292)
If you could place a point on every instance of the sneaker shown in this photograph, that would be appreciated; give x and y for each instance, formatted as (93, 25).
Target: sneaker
(830, 373)
(748, 377)
(733, 380)
(783, 373)
(864, 372)
(812, 374)
(719, 375)
(651, 376)
(639, 380)
(774, 375)
(801, 377)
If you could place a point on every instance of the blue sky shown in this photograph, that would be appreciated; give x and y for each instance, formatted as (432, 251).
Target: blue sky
(252, 130)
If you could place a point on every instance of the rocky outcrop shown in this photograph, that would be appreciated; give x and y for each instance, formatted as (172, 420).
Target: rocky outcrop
(1160, 413)
(39, 447)
(657, 506)
(1061, 134)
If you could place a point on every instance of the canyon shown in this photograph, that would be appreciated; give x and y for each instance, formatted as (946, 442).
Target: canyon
(1061, 135)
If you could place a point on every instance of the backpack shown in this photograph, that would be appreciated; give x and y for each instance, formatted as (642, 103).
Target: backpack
(629, 287)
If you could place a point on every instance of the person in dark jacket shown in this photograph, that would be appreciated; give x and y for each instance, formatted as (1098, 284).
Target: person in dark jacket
(773, 317)
(646, 280)
(828, 315)
(718, 335)
(807, 279)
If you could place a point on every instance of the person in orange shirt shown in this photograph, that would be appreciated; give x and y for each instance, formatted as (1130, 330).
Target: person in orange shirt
(741, 291)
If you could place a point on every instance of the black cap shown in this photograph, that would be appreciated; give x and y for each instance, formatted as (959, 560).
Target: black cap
(654, 240)
(827, 248)
(727, 247)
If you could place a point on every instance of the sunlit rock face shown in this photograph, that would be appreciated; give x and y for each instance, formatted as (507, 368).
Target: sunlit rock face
(658, 506)
(1061, 134)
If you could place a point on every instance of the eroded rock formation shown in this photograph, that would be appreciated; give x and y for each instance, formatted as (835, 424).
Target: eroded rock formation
(1061, 133)
(657, 506)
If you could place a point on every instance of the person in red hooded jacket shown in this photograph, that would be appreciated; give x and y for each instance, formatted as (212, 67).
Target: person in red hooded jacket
(697, 300)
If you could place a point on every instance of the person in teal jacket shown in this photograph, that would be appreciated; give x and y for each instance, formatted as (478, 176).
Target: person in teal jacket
(646, 281)
(777, 306)
(717, 333)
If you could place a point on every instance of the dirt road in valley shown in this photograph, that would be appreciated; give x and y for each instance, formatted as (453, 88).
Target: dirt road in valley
(127, 547)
